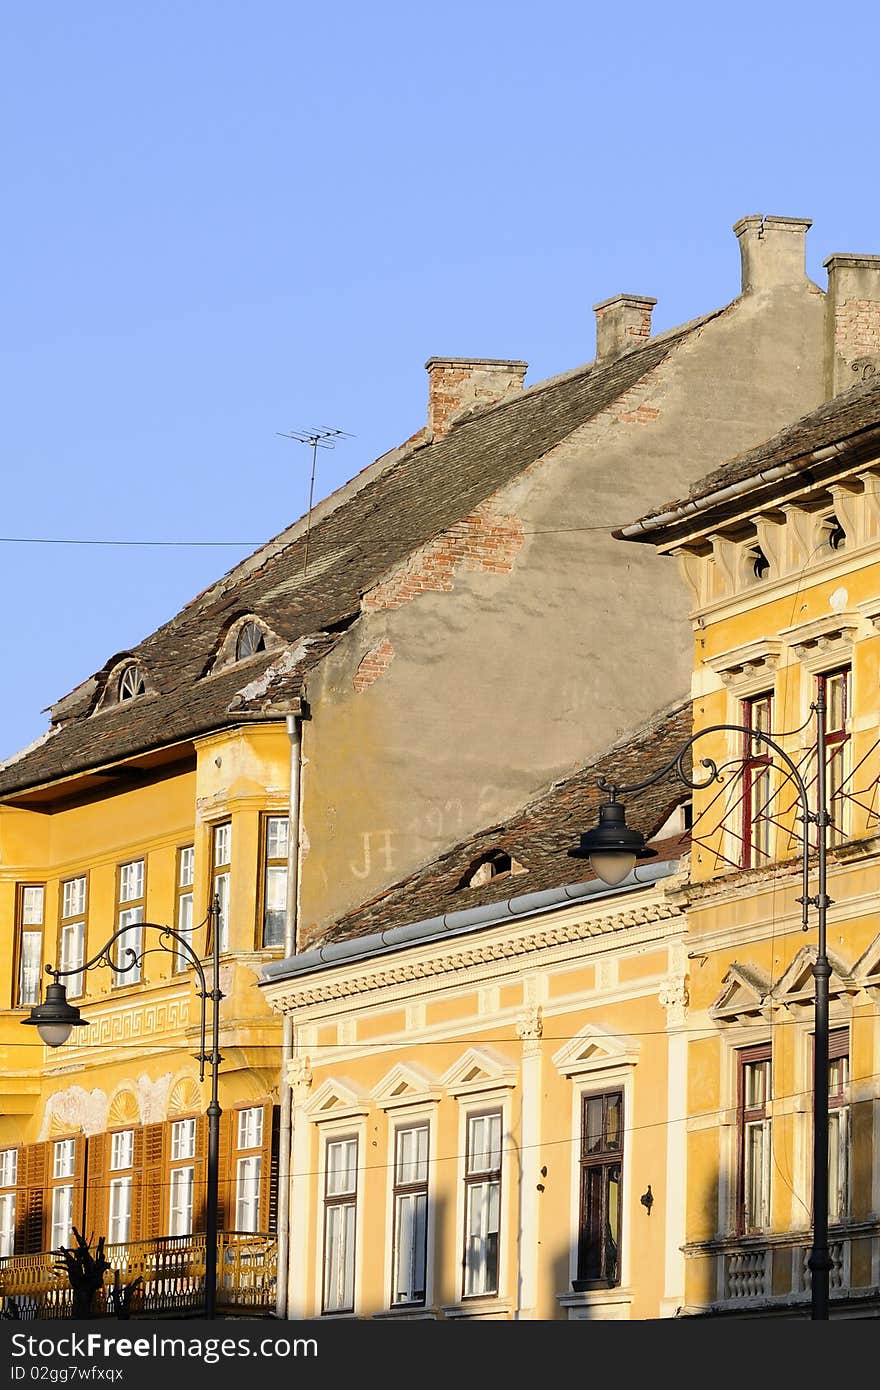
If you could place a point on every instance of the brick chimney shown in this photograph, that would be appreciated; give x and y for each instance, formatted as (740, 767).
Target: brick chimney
(459, 383)
(852, 321)
(773, 250)
(622, 323)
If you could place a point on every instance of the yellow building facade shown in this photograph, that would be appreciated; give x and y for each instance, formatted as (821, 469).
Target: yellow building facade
(108, 1132)
(782, 550)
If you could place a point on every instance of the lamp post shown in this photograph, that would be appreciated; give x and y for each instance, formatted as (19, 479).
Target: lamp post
(613, 848)
(55, 1019)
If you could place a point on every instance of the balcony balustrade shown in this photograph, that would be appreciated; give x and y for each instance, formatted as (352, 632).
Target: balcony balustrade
(172, 1275)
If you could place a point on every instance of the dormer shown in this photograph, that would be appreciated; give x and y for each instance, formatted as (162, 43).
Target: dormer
(246, 637)
(127, 679)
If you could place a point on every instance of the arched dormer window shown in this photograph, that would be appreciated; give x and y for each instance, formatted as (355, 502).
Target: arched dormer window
(131, 683)
(251, 639)
(496, 864)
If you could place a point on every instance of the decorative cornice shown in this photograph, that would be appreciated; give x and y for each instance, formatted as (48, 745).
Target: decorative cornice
(744, 663)
(508, 948)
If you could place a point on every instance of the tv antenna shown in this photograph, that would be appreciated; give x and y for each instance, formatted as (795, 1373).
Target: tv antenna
(324, 437)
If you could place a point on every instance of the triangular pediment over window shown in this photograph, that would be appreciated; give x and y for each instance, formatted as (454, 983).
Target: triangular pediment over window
(336, 1099)
(866, 970)
(478, 1069)
(743, 994)
(592, 1049)
(406, 1084)
(797, 985)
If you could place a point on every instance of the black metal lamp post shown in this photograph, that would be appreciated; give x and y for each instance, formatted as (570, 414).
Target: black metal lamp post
(613, 848)
(55, 1018)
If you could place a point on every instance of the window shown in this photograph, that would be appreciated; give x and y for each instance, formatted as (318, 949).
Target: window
(131, 683)
(275, 847)
(250, 640)
(753, 1196)
(757, 564)
(757, 714)
(184, 914)
(249, 1169)
(29, 943)
(221, 858)
(833, 533)
(482, 1200)
(121, 1158)
(180, 1206)
(8, 1177)
(130, 914)
(410, 1214)
(838, 1126)
(340, 1206)
(63, 1166)
(495, 864)
(73, 933)
(836, 688)
(601, 1186)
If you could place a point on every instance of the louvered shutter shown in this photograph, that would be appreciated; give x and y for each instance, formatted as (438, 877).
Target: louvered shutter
(200, 1187)
(97, 1188)
(78, 1207)
(269, 1170)
(137, 1185)
(33, 1217)
(226, 1172)
(154, 1180)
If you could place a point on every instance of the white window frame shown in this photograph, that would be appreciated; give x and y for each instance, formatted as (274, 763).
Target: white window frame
(248, 1182)
(250, 1119)
(354, 1204)
(398, 1124)
(119, 1211)
(62, 1222)
(183, 1140)
(8, 1167)
(7, 1224)
(30, 944)
(72, 932)
(221, 883)
(181, 1177)
(63, 1158)
(131, 878)
(186, 856)
(274, 865)
(121, 1149)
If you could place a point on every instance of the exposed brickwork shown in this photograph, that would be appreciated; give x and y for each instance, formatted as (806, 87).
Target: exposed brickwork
(376, 661)
(642, 415)
(456, 385)
(857, 328)
(485, 541)
(622, 323)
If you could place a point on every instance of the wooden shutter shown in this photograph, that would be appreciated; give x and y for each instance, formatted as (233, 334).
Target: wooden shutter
(154, 1180)
(31, 1212)
(269, 1170)
(226, 1172)
(97, 1188)
(78, 1206)
(137, 1185)
(200, 1186)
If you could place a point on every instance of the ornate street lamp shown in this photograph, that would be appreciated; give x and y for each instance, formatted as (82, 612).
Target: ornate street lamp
(56, 1018)
(613, 848)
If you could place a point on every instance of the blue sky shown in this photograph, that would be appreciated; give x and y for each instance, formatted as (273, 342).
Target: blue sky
(224, 220)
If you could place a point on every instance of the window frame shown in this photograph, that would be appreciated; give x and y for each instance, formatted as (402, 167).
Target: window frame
(248, 1153)
(184, 1163)
(749, 1118)
(23, 929)
(183, 892)
(219, 872)
(123, 907)
(268, 862)
(757, 771)
(333, 1202)
(485, 1177)
(76, 983)
(838, 741)
(602, 1161)
(839, 1119)
(402, 1190)
(8, 1201)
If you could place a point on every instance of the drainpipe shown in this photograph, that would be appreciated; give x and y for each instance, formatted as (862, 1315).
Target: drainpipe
(294, 733)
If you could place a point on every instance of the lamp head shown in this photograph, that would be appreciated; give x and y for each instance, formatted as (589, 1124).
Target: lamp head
(612, 848)
(55, 1018)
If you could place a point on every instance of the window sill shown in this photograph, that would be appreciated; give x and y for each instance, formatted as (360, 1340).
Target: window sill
(597, 1302)
(414, 1312)
(478, 1308)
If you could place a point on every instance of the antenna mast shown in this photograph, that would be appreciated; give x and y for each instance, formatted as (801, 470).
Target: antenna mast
(324, 437)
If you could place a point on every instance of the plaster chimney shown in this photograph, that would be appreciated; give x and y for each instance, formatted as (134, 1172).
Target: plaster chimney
(852, 321)
(622, 323)
(773, 250)
(456, 384)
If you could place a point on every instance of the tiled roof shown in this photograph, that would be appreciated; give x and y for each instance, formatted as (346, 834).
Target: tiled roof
(538, 836)
(424, 490)
(843, 418)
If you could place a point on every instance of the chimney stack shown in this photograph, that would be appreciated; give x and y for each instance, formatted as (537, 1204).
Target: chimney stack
(456, 384)
(852, 321)
(773, 250)
(622, 323)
